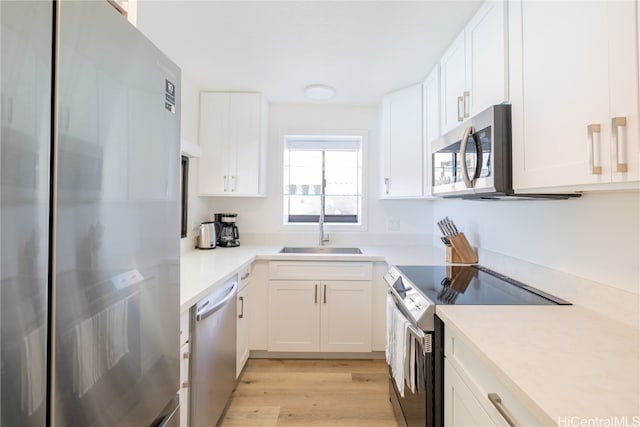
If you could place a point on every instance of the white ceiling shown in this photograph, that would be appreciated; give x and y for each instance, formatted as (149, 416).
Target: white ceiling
(362, 48)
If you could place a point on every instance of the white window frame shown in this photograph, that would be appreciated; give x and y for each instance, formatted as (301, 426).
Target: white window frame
(328, 227)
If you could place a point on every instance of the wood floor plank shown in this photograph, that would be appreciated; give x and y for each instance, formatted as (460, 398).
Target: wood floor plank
(312, 393)
(245, 416)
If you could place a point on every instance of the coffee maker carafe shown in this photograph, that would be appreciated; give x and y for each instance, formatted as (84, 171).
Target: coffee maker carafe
(226, 229)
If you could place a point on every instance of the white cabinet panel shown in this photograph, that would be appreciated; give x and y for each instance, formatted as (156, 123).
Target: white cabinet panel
(468, 383)
(401, 124)
(474, 68)
(183, 393)
(320, 314)
(346, 316)
(452, 84)
(243, 301)
(214, 143)
(294, 316)
(430, 121)
(486, 64)
(233, 140)
(578, 68)
(320, 270)
(461, 408)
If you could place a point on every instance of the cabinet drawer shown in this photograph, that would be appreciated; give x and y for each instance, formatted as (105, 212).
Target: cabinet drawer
(320, 270)
(244, 277)
(184, 327)
(481, 380)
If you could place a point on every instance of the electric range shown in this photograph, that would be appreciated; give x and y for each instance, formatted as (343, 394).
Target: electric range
(415, 291)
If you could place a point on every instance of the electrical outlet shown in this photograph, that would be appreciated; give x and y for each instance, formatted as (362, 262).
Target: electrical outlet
(394, 224)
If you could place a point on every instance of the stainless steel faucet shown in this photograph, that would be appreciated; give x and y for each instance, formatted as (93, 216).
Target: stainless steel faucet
(322, 239)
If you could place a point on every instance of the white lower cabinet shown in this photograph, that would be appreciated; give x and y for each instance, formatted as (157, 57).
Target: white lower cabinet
(473, 393)
(243, 301)
(183, 392)
(461, 408)
(329, 314)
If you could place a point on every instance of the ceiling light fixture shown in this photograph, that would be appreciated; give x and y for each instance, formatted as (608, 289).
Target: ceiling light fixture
(319, 92)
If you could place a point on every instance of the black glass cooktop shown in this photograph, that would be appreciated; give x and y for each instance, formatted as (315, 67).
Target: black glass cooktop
(471, 285)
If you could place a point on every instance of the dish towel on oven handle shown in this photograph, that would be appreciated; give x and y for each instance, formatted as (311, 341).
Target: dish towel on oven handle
(402, 347)
(413, 345)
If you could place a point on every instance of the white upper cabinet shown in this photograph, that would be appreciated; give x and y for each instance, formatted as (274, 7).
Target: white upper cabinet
(233, 140)
(486, 58)
(402, 147)
(430, 121)
(452, 83)
(474, 68)
(574, 75)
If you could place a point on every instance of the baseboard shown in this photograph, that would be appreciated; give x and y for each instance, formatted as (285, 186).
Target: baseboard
(264, 354)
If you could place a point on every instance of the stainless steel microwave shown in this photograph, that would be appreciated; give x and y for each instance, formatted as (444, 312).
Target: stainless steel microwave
(473, 161)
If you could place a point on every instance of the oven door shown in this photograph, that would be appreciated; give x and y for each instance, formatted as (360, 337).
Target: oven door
(413, 405)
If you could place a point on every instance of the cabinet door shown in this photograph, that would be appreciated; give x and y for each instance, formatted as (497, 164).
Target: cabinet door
(461, 408)
(294, 316)
(385, 145)
(452, 84)
(431, 121)
(242, 353)
(486, 58)
(405, 143)
(183, 394)
(565, 89)
(213, 166)
(346, 316)
(245, 135)
(623, 89)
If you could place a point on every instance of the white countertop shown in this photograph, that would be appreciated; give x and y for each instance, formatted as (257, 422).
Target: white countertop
(561, 361)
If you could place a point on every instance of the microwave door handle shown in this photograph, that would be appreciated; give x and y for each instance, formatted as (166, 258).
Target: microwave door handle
(479, 159)
(463, 157)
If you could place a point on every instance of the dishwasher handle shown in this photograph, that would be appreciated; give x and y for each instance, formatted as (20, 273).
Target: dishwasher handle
(207, 309)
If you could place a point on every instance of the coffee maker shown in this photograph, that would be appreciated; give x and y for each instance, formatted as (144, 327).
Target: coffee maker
(226, 229)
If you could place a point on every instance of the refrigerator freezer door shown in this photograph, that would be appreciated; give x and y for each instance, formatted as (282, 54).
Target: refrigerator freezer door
(25, 119)
(117, 248)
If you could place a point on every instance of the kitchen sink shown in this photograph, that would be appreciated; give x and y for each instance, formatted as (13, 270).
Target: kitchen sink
(319, 250)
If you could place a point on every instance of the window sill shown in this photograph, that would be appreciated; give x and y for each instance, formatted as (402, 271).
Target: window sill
(328, 228)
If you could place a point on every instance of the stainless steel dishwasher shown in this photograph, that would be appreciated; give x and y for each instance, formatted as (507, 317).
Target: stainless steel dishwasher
(213, 368)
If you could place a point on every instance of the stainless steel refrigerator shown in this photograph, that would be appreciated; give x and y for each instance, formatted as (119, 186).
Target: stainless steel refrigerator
(90, 158)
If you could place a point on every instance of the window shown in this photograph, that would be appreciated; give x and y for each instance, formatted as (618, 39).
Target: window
(305, 158)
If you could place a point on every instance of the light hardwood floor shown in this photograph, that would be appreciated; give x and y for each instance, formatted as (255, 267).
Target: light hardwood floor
(311, 393)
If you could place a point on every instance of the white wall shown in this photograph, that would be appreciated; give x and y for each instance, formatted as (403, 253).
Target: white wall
(263, 216)
(596, 237)
(198, 210)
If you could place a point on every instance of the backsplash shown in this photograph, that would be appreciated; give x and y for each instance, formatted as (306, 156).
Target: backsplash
(596, 237)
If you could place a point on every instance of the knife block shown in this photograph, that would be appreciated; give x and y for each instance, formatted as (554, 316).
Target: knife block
(460, 251)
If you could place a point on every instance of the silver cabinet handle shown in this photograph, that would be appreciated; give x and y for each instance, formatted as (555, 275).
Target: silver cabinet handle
(460, 108)
(386, 185)
(241, 315)
(325, 294)
(497, 402)
(244, 276)
(226, 183)
(593, 131)
(465, 103)
(233, 182)
(619, 126)
(315, 293)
